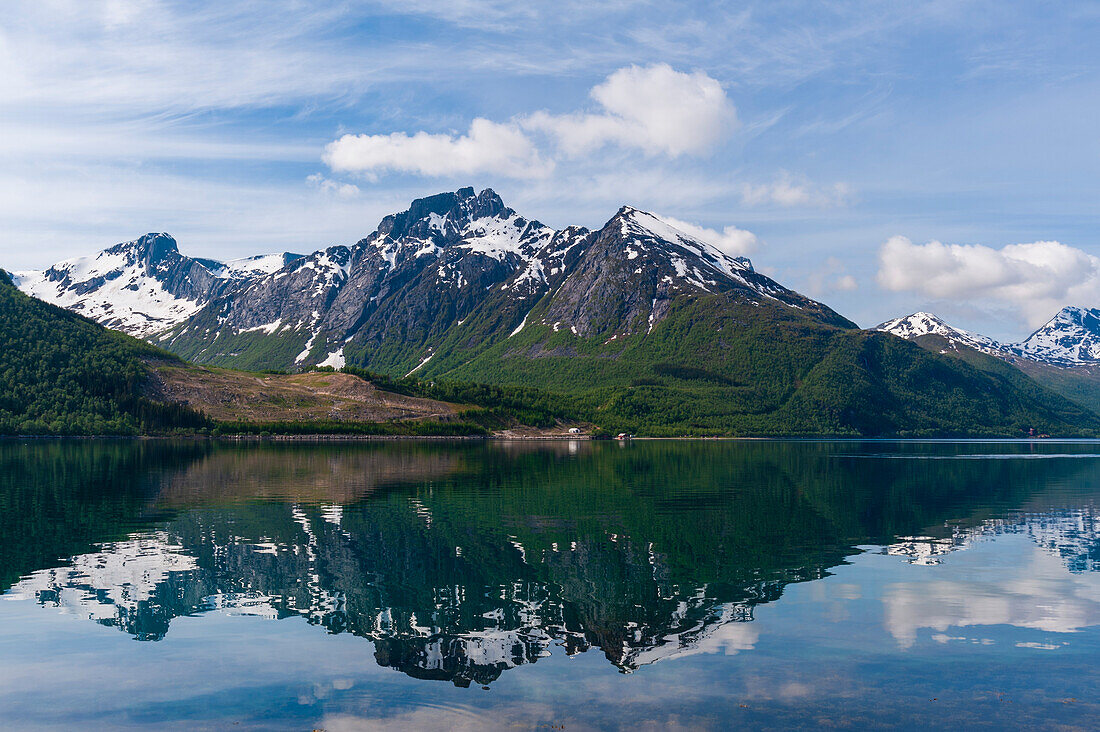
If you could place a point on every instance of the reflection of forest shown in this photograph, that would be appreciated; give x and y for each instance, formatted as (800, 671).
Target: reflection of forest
(462, 560)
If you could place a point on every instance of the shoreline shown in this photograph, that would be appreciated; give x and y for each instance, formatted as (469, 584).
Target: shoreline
(247, 438)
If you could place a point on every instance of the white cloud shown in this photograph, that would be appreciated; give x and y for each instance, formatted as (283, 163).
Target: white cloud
(335, 187)
(731, 240)
(653, 108)
(790, 190)
(1035, 279)
(829, 278)
(488, 147)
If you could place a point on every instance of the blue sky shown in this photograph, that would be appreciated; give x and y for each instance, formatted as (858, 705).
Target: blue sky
(885, 158)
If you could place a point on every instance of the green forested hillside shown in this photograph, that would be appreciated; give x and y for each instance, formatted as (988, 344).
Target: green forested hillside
(1078, 384)
(725, 368)
(63, 374)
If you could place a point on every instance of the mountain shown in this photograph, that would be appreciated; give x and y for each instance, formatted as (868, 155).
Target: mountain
(637, 326)
(920, 324)
(1070, 338)
(455, 274)
(141, 286)
(1063, 355)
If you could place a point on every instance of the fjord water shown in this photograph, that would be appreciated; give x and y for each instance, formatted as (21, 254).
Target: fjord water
(570, 585)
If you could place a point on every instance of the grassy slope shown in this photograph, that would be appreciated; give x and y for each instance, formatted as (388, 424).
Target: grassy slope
(228, 395)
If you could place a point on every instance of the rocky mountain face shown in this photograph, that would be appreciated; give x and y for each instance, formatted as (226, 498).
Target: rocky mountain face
(141, 286)
(459, 272)
(1070, 338)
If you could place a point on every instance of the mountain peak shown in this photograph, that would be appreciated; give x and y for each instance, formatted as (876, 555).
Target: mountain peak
(1071, 337)
(923, 323)
(634, 222)
(460, 207)
(919, 323)
(150, 248)
(1078, 315)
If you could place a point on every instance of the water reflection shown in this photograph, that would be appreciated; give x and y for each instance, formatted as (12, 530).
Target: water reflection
(460, 561)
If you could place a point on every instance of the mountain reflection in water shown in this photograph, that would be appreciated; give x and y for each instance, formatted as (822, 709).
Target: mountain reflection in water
(462, 560)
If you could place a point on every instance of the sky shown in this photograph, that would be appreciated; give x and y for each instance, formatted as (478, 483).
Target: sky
(883, 157)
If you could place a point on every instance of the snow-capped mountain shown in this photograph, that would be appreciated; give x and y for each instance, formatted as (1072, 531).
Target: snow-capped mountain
(1070, 338)
(141, 286)
(921, 324)
(460, 271)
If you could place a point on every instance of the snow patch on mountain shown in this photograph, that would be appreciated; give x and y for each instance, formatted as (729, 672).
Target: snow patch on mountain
(1072, 337)
(920, 324)
(256, 266)
(142, 286)
(109, 290)
(335, 359)
(647, 225)
(497, 237)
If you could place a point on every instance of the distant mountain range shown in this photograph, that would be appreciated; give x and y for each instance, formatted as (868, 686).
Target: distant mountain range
(639, 325)
(1063, 355)
(1070, 338)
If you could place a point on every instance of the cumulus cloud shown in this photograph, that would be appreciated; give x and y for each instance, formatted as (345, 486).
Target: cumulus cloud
(790, 190)
(488, 147)
(653, 108)
(731, 240)
(334, 187)
(1035, 279)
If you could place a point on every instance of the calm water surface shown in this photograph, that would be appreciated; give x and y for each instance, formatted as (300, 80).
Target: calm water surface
(420, 585)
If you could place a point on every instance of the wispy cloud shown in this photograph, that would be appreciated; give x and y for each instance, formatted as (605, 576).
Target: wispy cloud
(830, 278)
(334, 187)
(731, 240)
(792, 190)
